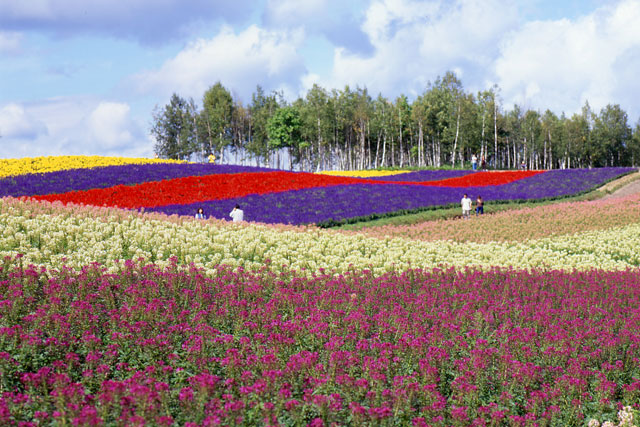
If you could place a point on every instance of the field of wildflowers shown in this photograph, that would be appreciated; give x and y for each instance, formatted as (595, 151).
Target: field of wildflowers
(449, 347)
(297, 198)
(522, 225)
(131, 317)
(55, 235)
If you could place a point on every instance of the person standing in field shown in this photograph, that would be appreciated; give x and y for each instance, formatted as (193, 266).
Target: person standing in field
(200, 214)
(466, 206)
(237, 214)
(479, 206)
(474, 162)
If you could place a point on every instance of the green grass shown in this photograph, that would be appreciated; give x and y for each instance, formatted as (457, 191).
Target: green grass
(489, 207)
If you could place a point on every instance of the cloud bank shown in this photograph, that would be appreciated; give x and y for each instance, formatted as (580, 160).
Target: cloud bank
(147, 21)
(390, 46)
(238, 60)
(71, 126)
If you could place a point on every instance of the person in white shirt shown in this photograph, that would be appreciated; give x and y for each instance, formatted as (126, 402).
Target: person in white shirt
(466, 206)
(237, 214)
(474, 162)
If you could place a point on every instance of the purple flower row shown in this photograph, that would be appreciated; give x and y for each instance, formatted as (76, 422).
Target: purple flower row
(343, 202)
(108, 176)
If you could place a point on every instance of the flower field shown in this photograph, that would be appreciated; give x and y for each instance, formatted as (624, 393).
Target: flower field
(523, 224)
(112, 316)
(451, 348)
(272, 196)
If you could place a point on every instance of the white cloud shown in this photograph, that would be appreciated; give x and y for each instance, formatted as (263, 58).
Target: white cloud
(239, 61)
(337, 21)
(71, 125)
(561, 64)
(15, 122)
(110, 125)
(415, 41)
(555, 64)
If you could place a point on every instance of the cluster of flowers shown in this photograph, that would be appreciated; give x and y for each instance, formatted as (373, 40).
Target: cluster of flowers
(425, 175)
(80, 180)
(626, 418)
(366, 173)
(53, 234)
(176, 346)
(45, 164)
(361, 200)
(521, 225)
(193, 189)
(288, 197)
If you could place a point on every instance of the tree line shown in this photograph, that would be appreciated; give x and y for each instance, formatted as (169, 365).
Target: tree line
(349, 129)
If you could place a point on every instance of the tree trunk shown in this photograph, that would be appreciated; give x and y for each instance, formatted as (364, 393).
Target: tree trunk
(455, 141)
(420, 145)
(482, 153)
(495, 134)
(362, 138)
(393, 157)
(221, 150)
(375, 159)
(384, 149)
(369, 144)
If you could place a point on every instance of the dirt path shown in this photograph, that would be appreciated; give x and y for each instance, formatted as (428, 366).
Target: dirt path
(632, 187)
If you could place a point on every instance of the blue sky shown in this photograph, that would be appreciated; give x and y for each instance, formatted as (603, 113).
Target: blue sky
(83, 76)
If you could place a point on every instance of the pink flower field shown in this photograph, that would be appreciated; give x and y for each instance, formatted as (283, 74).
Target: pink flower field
(114, 317)
(522, 224)
(438, 348)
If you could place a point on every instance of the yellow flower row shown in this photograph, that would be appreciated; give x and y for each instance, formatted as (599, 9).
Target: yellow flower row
(54, 163)
(363, 173)
(53, 235)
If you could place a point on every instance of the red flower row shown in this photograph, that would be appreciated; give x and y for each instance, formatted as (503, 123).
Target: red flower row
(226, 186)
(483, 179)
(197, 188)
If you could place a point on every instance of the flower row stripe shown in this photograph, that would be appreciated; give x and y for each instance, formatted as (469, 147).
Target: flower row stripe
(193, 189)
(29, 165)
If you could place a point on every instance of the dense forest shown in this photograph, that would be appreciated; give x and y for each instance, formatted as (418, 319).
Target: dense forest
(350, 129)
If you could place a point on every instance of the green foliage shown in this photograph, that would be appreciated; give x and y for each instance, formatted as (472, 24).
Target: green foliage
(216, 114)
(349, 129)
(283, 128)
(174, 129)
(611, 137)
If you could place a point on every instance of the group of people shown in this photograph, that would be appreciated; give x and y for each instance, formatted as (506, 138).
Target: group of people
(467, 204)
(236, 214)
(474, 163)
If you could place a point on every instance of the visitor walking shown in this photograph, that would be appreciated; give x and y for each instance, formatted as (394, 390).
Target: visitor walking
(479, 206)
(466, 206)
(237, 214)
(474, 162)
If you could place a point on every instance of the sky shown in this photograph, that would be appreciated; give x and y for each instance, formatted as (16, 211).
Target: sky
(84, 76)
